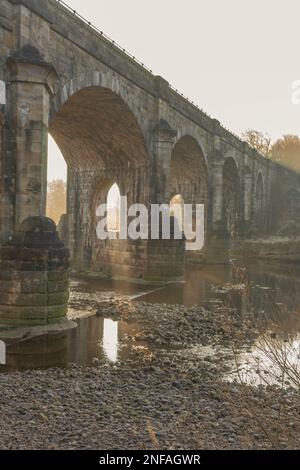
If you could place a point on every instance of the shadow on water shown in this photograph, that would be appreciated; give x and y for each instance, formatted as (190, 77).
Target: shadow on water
(104, 340)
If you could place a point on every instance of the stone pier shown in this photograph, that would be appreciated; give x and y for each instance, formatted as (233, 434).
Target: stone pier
(34, 276)
(115, 123)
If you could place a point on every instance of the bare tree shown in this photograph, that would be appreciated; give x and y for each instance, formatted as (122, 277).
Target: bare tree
(259, 141)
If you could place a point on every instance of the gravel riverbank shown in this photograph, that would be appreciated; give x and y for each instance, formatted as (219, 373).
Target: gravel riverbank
(159, 405)
(169, 399)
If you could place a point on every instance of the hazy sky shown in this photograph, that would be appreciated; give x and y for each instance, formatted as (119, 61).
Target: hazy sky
(236, 58)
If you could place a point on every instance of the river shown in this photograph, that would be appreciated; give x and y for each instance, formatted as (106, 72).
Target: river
(273, 292)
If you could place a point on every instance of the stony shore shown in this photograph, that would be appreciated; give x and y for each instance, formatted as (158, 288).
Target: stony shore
(159, 405)
(171, 399)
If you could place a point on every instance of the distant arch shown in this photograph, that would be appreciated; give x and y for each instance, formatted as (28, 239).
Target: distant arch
(189, 175)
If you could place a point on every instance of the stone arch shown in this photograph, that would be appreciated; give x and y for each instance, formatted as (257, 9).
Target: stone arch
(189, 174)
(101, 141)
(99, 249)
(95, 128)
(106, 193)
(109, 81)
(192, 132)
(231, 197)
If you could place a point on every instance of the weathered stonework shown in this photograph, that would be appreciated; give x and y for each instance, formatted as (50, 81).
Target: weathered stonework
(34, 275)
(114, 121)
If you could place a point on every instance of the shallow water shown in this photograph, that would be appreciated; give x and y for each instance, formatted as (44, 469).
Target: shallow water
(266, 363)
(274, 291)
(94, 340)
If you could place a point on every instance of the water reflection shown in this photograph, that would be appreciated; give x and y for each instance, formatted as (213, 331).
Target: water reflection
(110, 339)
(270, 361)
(275, 293)
(197, 288)
(37, 353)
(270, 289)
(94, 340)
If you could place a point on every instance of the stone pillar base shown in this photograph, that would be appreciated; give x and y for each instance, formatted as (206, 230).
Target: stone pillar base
(34, 276)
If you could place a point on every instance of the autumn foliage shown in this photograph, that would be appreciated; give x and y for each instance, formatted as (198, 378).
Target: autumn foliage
(56, 199)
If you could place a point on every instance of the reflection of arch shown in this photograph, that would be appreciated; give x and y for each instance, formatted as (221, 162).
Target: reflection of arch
(231, 197)
(259, 202)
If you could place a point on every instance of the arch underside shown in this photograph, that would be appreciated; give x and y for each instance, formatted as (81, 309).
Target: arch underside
(188, 172)
(189, 177)
(102, 144)
(95, 129)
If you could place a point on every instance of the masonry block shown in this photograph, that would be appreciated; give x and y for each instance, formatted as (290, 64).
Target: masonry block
(34, 275)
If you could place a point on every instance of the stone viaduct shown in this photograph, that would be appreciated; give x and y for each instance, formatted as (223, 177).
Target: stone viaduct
(114, 121)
